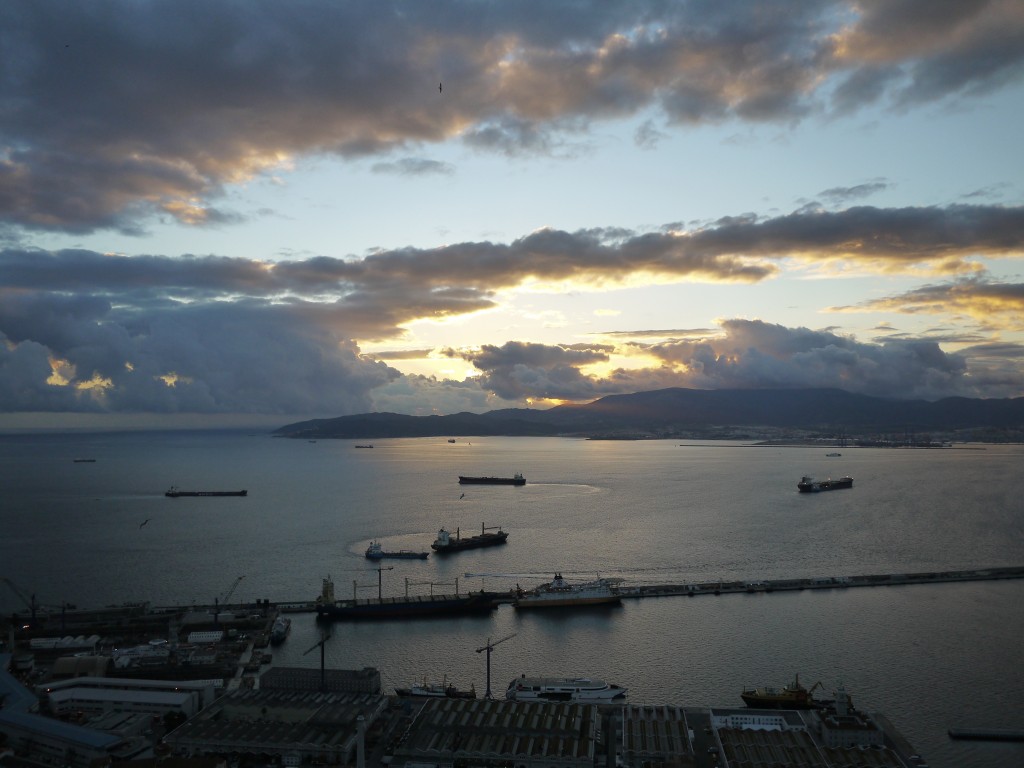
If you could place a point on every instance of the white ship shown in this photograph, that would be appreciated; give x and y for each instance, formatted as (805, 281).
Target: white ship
(155, 652)
(560, 593)
(582, 689)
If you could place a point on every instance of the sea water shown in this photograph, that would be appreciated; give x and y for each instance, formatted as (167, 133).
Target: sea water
(930, 657)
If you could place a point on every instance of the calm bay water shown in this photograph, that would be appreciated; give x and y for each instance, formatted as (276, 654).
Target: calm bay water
(930, 657)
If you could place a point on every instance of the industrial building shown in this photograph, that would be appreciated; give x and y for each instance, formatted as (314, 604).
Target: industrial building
(501, 734)
(293, 727)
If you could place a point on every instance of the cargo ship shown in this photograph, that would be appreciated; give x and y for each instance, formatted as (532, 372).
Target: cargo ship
(516, 479)
(810, 485)
(376, 552)
(792, 696)
(414, 607)
(444, 542)
(582, 689)
(561, 594)
(174, 493)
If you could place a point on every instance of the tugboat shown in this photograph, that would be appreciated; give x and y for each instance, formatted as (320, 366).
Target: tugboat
(810, 485)
(376, 552)
(445, 543)
(792, 696)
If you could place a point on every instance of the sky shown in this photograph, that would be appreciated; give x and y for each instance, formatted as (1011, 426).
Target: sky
(254, 212)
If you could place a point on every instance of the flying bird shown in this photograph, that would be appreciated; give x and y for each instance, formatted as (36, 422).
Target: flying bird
(143, 522)
(462, 496)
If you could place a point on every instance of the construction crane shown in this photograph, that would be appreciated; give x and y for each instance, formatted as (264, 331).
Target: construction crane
(231, 590)
(323, 674)
(33, 607)
(490, 647)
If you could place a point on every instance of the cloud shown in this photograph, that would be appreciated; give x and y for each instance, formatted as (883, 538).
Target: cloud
(856, 192)
(994, 304)
(84, 354)
(754, 354)
(750, 354)
(90, 331)
(415, 166)
(517, 370)
(115, 112)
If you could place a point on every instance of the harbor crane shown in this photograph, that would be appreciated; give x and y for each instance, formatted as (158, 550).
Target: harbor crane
(490, 647)
(34, 607)
(231, 590)
(323, 673)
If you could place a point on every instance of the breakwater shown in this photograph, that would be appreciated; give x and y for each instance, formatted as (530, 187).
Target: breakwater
(767, 585)
(823, 582)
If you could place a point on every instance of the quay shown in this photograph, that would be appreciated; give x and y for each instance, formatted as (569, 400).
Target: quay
(762, 585)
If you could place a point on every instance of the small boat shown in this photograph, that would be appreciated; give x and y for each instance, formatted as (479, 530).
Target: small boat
(445, 543)
(582, 689)
(280, 629)
(84, 461)
(451, 439)
(792, 696)
(174, 493)
(376, 552)
(366, 445)
(833, 455)
(561, 594)
(444, 690)
(810, 485)
(516, 479)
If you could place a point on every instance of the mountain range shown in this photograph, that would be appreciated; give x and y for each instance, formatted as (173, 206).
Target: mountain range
(708, 414)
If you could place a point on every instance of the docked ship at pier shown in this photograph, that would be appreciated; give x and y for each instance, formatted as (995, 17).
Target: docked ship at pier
(580, 689)
(792, 696)
(407, 607)
(442, 690)
(516, 479)
(808, 484)
(488, 537)
(559, 593)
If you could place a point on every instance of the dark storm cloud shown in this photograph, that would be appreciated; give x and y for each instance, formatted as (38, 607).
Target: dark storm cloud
(751, 354)
(745, 354)
(113, 111)
(518, 370)
(209, 333)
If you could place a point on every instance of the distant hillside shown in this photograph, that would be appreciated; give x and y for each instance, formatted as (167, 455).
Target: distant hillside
(691, 413)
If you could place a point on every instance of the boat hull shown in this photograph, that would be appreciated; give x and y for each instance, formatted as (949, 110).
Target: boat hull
(807, 485)
(423, 606)
(472, 542)
(759, 701)
(518, 480)
(566, 602)
(175, 494)
(397, 555)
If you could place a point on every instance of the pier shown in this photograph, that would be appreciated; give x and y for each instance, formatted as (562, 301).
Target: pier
(696, 589)
(825, 582)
